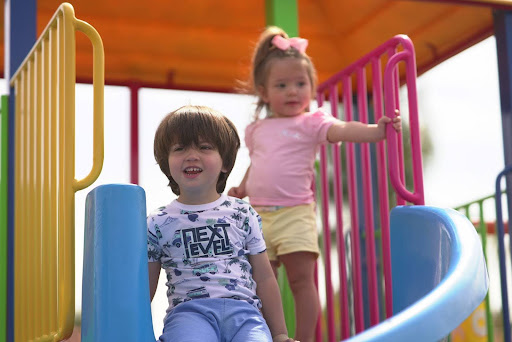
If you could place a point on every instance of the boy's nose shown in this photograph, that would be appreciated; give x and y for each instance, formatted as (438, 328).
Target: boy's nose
(192, 154)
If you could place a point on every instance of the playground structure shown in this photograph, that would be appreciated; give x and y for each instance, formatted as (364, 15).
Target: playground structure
(453, 226)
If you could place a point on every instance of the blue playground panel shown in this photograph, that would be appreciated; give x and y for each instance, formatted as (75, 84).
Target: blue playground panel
(439, 272)
(115, 286)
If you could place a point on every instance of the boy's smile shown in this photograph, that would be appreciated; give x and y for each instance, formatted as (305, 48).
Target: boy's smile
(192, 172)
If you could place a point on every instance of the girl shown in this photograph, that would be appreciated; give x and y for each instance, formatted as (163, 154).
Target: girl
(282, 148)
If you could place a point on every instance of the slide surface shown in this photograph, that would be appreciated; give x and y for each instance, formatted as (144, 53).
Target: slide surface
(439, 275)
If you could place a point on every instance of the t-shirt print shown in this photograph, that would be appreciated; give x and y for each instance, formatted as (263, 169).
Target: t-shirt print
(204, 249)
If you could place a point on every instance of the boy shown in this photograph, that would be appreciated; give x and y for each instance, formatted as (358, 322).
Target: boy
(210, 245)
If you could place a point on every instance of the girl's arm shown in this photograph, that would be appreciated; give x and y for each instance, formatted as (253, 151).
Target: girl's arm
(358, 132)
(154, 274)
(240, 191)
(268, 291)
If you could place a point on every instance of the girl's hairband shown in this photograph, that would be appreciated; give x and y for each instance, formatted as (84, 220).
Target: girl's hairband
(285, 43)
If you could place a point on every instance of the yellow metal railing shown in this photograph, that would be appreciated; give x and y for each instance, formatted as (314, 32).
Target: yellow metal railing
(44, 262)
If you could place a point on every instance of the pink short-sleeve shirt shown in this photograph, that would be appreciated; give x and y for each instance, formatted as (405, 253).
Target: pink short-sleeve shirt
(283, 152)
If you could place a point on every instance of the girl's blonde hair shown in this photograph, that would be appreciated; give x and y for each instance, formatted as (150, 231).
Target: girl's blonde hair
(192, 125)
(264, 53)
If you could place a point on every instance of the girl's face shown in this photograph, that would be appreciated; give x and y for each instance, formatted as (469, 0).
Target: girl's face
(287, 90)
(196, 170)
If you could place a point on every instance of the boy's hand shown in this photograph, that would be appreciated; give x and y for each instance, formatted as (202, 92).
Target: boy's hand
(283, 338)
(237, 191)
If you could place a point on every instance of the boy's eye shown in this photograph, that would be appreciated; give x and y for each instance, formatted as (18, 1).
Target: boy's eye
(280, 85)
(302, 84)
(177, 148)
(206, 147)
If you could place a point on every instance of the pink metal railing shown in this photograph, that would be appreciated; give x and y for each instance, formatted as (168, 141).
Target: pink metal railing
(385, 94)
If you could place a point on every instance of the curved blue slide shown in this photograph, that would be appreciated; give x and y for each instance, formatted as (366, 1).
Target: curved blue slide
(439, 272)
(439, 275)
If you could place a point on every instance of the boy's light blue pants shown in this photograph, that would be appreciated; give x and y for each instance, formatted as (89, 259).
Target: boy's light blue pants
(215, 320)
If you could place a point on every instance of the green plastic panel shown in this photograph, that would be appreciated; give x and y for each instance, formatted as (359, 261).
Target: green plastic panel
(283, 13)
(3, 216)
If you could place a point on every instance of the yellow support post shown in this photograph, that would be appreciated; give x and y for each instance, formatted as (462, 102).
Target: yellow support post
(44, 265)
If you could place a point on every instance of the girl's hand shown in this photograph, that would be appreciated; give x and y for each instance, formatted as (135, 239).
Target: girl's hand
(396, 122)
(237, 191)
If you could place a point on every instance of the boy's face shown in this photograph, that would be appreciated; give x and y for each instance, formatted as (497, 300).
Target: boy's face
(196, 170)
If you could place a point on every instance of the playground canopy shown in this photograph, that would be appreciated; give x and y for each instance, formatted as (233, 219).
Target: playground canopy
(206, 45)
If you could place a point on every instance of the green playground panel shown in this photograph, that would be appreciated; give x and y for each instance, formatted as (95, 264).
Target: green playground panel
(482, 231)
(3, 216)
(283, 13)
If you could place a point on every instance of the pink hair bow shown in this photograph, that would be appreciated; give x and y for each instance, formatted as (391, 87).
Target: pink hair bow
(284, 43)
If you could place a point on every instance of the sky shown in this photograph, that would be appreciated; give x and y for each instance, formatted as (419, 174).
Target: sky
(458, 105)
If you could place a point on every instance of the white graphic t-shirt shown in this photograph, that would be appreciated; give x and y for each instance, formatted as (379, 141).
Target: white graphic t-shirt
(204, 249)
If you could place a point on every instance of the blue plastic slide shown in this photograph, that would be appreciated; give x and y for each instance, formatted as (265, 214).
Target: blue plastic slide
(439, 275)
(439, 272)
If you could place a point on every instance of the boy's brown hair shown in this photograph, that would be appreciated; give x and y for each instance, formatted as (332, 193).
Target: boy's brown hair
(192, 125)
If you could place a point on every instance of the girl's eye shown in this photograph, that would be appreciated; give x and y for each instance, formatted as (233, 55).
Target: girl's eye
(302, 84)
(177, 148)
(281, 85)
(206, 147)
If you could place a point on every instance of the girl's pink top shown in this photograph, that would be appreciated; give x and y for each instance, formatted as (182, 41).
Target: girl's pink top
(283, 152)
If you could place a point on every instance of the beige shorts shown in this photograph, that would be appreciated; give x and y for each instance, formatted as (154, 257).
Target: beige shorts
(289, 229)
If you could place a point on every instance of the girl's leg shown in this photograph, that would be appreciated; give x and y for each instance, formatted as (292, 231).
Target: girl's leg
(300, 267)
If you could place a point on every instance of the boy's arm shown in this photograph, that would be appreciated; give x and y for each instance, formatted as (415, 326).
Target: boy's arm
(240, 191)
(358, 132)
(268, 291)
(154, 274)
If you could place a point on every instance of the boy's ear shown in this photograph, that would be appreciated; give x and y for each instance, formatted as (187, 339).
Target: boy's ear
(262, 94)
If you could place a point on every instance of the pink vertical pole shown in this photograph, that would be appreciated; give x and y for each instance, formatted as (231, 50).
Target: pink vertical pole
(394, 98)
(396, 91)
(393, 149)
(331, 332)
(319, 336)
(340, 239)
(368, 204)
(414, 123)
(354, 221)
(382, 180)
(399, 138)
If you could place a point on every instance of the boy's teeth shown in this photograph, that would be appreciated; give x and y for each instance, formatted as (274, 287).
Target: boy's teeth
(192, 170)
